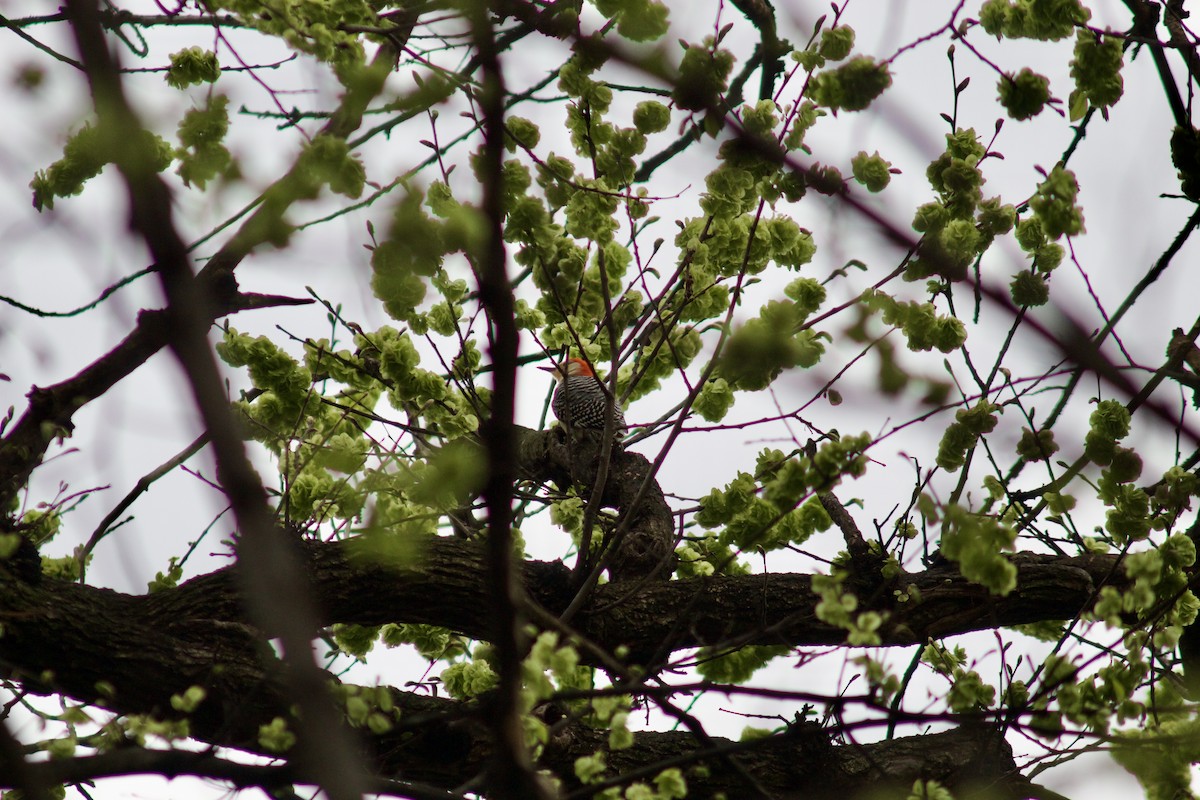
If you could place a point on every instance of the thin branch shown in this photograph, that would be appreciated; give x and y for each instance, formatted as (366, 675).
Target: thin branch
(138, 489)
(511, 775)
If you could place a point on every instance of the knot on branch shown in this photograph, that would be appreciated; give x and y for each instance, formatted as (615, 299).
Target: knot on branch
(865, 567)
(644, 536)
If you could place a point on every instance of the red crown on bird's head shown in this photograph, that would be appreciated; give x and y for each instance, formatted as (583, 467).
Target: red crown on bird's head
(571, 368)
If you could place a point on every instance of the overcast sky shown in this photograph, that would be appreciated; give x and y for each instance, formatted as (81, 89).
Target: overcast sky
(62, 259)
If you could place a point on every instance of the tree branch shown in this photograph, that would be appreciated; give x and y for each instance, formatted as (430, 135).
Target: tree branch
(510, 775)
(162, 643)
(141, 650)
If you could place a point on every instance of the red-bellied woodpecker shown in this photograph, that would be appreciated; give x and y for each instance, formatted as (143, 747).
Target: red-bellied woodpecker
(580, 399)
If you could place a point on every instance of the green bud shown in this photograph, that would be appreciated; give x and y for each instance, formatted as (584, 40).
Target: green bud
(852, 86)
(1029, 289)
(191, 66)
(836, 43)
(872, 171)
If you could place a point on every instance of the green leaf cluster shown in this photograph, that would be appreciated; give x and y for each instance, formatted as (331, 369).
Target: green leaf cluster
(851, 86)
(192, 65)
(469, 679)
(166, 580)
(138, 728)
(1161, 755)
(968, 691)
(575, 278)
(326, 160)
(413, 251)
(872, 171)
(9, 543)
(64, 568)
(1128, 517)
(1095, 701)
(388, 358)
(520, 133)
(448, 477)
(188, 700)
(271, 369)
(1037, 446)
(703, 76)
(923, 328)
(637, 20)
(275, 737)
(883, 683)
(651, 116)
(741, 243)
(774, 507)
(431, 641)
(804, 118)
(325, 454)
(733, 191)
(665, 351)
(202, 153)
(1029, 289)
(736, 666)
(929, 790)
(837, 42)
(355, 640)
(1157, 575)
(960, 226)
(837, 607)
(370, 707)
(1025, 94)
(590, 211)
(705, 556)
(761, 349)
(1054, 204)
(1044, 20)
(285, 383)
(1174, 492)
(975, 542)
(568, 515)
(715, 399)
(551, 666)
(955, 174)
(591, 769)
(1096, 69)
(85, 154)
(962, 435)
(39, 526)
(1046, 255)
(319, 28)
(1108, 424)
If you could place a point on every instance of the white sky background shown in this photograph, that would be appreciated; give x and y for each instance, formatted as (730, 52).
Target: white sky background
(62, 259)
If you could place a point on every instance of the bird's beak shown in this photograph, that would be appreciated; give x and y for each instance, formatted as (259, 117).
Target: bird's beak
(551, 368)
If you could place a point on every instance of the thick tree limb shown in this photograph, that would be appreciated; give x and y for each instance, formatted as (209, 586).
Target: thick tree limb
(150, 646)
(56, 623)
(141, 650)
(648, 549)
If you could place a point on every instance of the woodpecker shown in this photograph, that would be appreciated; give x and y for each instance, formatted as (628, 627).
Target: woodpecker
(580, 399)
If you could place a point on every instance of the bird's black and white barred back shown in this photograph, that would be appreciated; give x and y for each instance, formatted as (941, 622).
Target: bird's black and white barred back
(581, 400)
